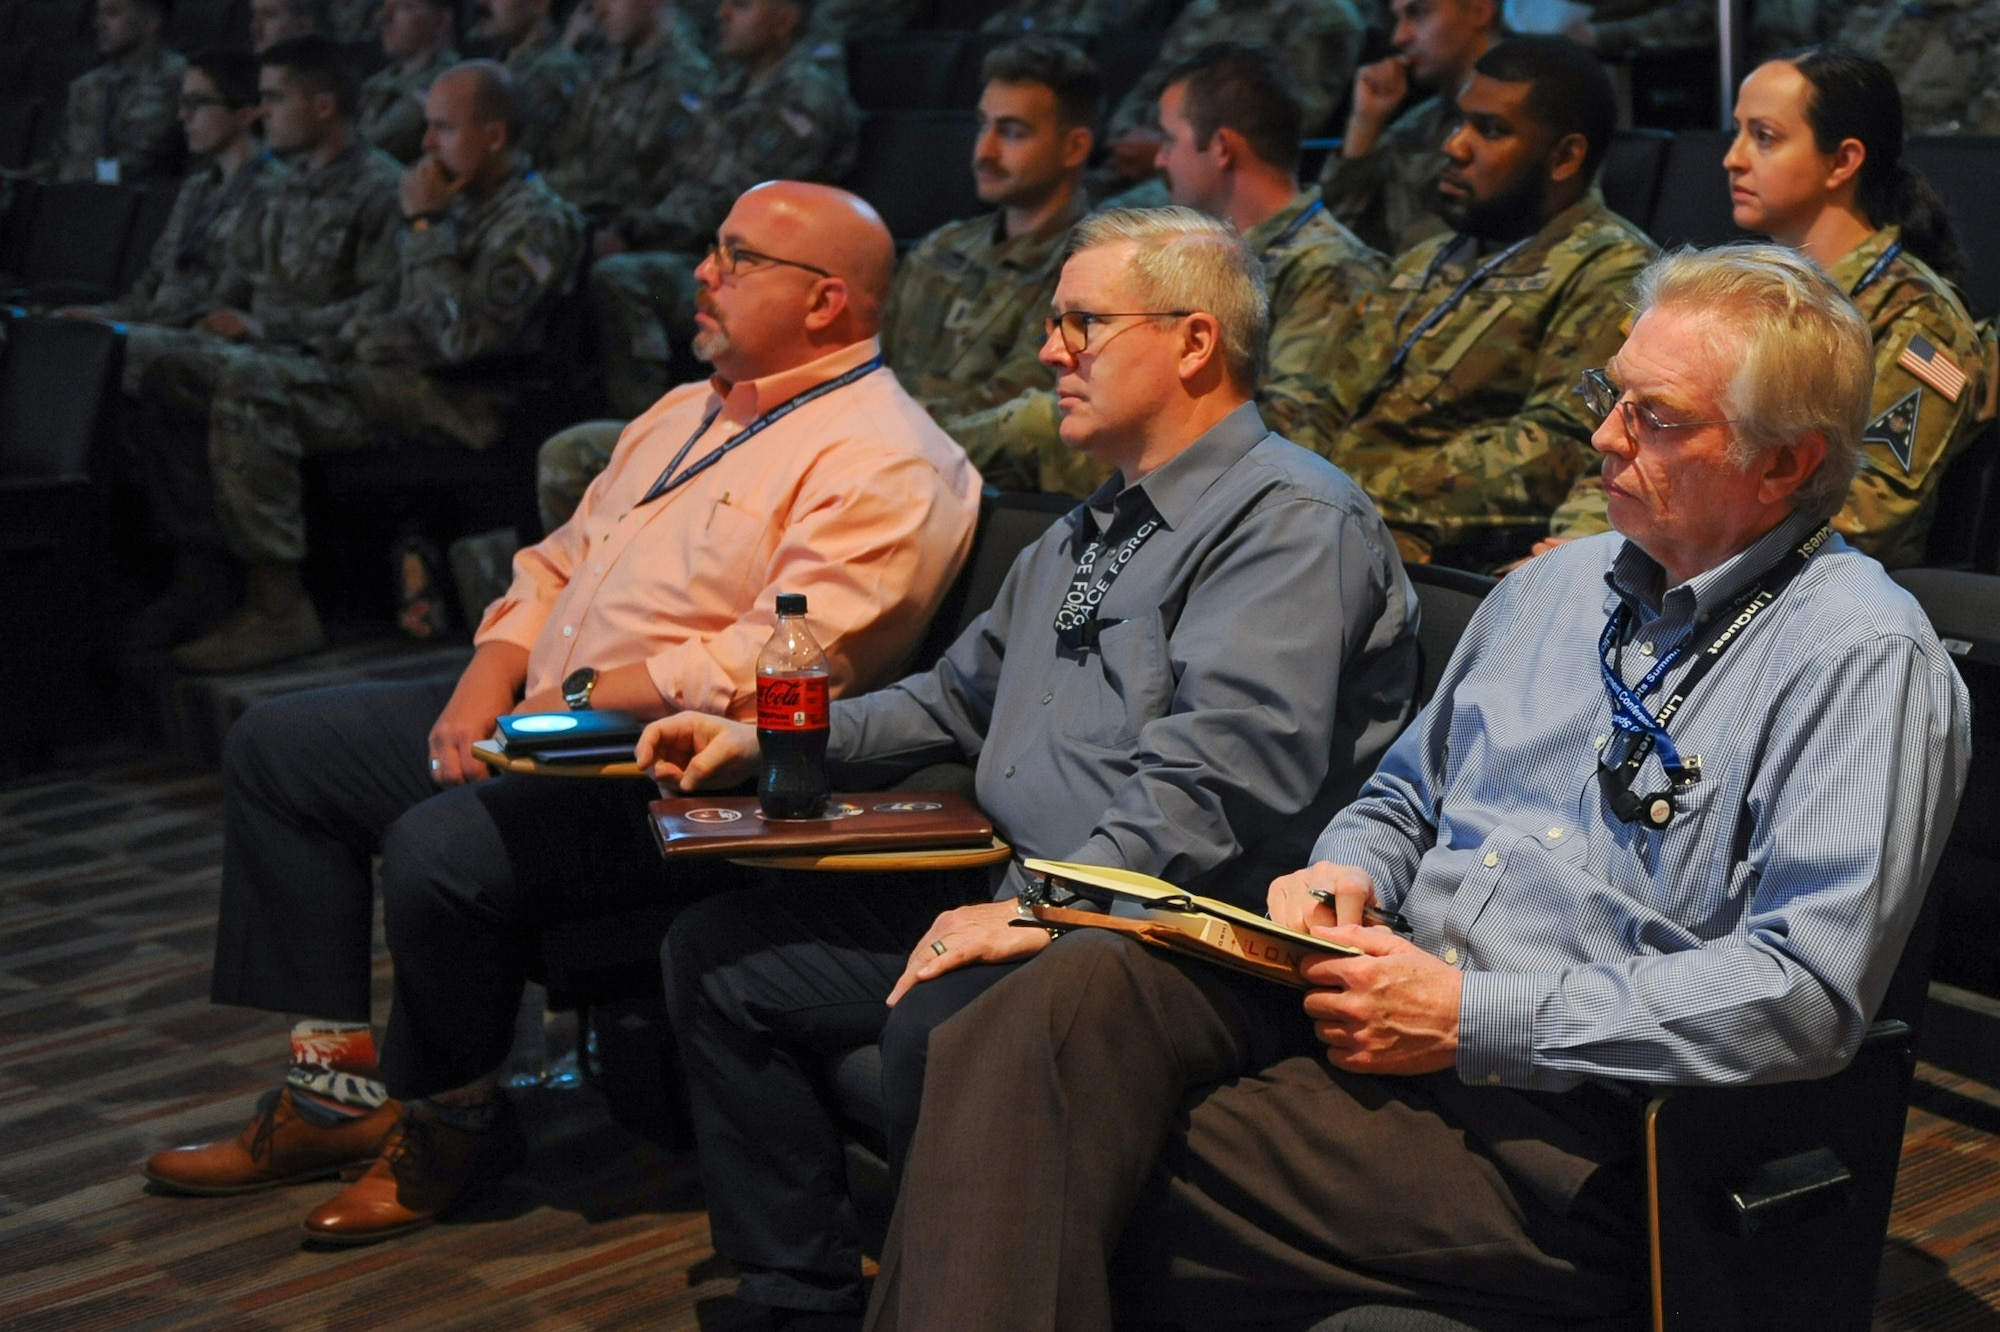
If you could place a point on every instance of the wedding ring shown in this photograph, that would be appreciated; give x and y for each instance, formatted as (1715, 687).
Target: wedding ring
(937, 946)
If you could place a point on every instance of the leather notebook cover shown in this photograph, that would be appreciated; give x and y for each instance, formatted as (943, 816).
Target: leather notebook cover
(869, 821)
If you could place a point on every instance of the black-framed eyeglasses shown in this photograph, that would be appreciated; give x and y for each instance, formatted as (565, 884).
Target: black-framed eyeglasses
(1075, 325)
(1602, 397)
(728, 258)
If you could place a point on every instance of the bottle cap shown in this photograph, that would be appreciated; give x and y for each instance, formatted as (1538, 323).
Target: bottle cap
(791, 603)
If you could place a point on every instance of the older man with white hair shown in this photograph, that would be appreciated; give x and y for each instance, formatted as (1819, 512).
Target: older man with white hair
(1183, 678)
(1666, 822)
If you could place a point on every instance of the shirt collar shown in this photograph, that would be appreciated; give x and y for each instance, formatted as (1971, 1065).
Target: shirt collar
(1859, 259)
(1030, 248)
(1638, 578)
(745, 402)
(1172, 488)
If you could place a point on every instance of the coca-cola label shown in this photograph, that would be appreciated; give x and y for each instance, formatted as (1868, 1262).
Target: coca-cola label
(791, 703)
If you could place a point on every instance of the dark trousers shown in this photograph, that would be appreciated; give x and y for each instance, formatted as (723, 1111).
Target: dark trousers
(1111, 1127)
(765, 987)
(315, 783)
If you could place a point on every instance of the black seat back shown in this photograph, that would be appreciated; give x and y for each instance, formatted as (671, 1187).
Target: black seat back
(1693, 204)
(906, 71)
(1447, 597)
(916, 168)
(1965, 171)
(1965, 530)
(1630, 176)
(57, 378)
(76, 240)
(18, 118)
(1009, 522)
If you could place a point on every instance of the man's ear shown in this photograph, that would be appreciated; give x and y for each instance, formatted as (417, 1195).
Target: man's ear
(1230, 148)
(1201, 346)
(1565, 160)
(830, 299)
(1790, 466)
(1078, 141)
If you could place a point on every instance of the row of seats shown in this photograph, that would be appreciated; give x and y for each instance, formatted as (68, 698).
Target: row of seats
(78, 242)
(938, 69)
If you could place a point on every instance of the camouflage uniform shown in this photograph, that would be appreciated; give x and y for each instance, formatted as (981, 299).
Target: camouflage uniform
(1472, 446)
(621, 132)
(836, 21)
(963, 327)
(567, 463)
(213, 221)
(1944, 55)
(354, 20)
(1625, 26)
(1064, 16)
(793, 122)
(1389, 197)
(550, 77)
(123, 112)
(1319, 277)
(1915, 428)
(473, 286)
(1319, 40)
(392, 107)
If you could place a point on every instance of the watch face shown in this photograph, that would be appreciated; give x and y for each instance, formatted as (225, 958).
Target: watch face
(578, 681)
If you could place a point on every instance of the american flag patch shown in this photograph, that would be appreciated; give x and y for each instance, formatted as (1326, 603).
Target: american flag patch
(1933, 367)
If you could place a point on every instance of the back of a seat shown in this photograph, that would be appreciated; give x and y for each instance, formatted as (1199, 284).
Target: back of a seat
(56, 381)
(197, 25)
(1693, 205)
(1447, 599)
(905, 71)
(1630, 176)
(1009, 522)
(18, 117)
(915, 167)
(77, 239)
(1965, 530)
(1965, 171)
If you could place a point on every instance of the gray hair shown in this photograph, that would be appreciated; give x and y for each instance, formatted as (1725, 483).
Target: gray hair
(1805, 358)
(1186, 260)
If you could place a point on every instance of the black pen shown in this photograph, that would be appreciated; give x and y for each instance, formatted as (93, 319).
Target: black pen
(1369, 915)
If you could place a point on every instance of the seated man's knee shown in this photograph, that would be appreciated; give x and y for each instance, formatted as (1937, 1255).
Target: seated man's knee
(704, 939)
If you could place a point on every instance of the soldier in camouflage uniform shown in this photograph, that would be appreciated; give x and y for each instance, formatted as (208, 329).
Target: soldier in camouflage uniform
(1945, 56)
(549, 75)
(1074, 17)
(416, 36)
(274, 21)
(778, 114)
(638, 103)
(326, 237)
(118, 124)
(1383, 181)
(1930, 371)
(487, 248)
(1317, 273)
(1457, 392)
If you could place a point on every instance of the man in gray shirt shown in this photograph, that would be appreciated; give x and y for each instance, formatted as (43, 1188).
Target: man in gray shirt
(1184, 678)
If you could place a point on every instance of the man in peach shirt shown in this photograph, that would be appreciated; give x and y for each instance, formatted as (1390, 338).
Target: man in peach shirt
(802, 466)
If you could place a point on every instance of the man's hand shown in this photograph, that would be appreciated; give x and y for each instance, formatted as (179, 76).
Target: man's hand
(425, 189)
(1378, 90)
(608, 242)
(484, 692)
(982, 933)
(1547, 544)
(232, 324)
(1290, 901)
(1134, 153)
(1394, 1011)
(693, 750)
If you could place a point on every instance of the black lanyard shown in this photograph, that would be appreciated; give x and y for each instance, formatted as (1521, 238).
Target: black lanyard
(1435, 317)
(669, 482)
(1628, 710)
(1076, 619)
(1876, 270)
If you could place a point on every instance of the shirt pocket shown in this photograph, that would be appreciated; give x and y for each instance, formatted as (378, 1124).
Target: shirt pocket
(724, 558)
(1129, 683)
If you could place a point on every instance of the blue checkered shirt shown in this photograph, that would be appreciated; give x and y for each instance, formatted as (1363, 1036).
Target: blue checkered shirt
(1753, 937)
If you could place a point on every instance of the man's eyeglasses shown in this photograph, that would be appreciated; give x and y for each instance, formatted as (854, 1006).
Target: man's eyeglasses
(729, 259)
(1602, 397)
(1075, 325)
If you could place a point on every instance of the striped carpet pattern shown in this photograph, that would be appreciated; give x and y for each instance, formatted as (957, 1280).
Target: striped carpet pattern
(109, 1050)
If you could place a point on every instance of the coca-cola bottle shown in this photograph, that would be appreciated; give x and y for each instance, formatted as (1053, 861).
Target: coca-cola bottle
(792, 678)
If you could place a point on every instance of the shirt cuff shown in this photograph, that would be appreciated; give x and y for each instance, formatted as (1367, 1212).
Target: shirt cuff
(1496, 1028)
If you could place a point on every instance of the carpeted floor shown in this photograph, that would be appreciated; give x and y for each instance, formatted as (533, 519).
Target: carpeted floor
(109, 1050)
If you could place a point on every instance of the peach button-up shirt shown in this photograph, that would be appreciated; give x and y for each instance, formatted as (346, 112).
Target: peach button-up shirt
(858, 500)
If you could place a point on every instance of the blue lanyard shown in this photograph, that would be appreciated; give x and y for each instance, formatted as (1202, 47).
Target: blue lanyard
(1628, 708)
(669, 482)
(1435, 317)
(1284, 237)
(1876, 270)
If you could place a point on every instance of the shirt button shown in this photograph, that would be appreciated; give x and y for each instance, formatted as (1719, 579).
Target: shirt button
(1493, 1078)
(1010, 770)
(568, 630)
(1555, 834)
(1451, 956)
(1048, 698)
(1598, 743)
(1645, 649)
(1492, 859)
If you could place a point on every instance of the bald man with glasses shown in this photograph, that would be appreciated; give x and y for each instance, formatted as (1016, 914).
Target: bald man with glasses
(800, 466)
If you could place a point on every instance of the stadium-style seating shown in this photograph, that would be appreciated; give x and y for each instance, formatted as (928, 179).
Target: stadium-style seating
(75, 242)
(1630, 176)
(1692, 207)
(18, 122)
(1965, 171)
(905, 71)
(899, 169)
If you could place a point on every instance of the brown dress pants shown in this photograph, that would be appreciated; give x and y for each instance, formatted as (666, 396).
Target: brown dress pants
(1112, 1129)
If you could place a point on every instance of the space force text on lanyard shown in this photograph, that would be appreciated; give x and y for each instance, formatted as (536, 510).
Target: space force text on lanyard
(1628, 709)
(1076, 619)
(668, 482)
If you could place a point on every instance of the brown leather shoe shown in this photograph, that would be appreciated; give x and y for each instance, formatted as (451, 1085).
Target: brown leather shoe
(426, 1168)
(278, 1147)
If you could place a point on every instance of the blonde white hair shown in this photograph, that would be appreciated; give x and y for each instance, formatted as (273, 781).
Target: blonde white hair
(1186, 260)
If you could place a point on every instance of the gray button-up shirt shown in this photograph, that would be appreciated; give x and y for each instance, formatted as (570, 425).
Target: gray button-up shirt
(1252, 661)
(1752, 938)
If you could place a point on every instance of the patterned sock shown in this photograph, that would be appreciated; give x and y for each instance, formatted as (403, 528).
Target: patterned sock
(332, 1076)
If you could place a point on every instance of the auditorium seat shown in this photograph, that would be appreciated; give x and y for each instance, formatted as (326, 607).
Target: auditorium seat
(1123, 56)
(1965, 531)
(16, 59)
(1630, 176)
(1693, 204)
(18, 120)
(916, 168)
(52, 22)
(910, 71)
(75, 242)
(198, 25)
(1965, 171)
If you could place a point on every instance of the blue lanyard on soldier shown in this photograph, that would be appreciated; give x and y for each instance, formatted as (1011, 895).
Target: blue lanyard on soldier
(1298, 224)
(669, 482)
(1076, 619)
(1876, 270)
(1436, 316)
(1628, 709)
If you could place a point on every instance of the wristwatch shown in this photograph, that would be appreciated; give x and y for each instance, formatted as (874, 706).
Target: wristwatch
(576, 689)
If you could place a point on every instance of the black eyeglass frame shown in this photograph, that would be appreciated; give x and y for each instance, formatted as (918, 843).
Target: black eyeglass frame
(728, 257)
(1063, 321)
(1602, 397)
